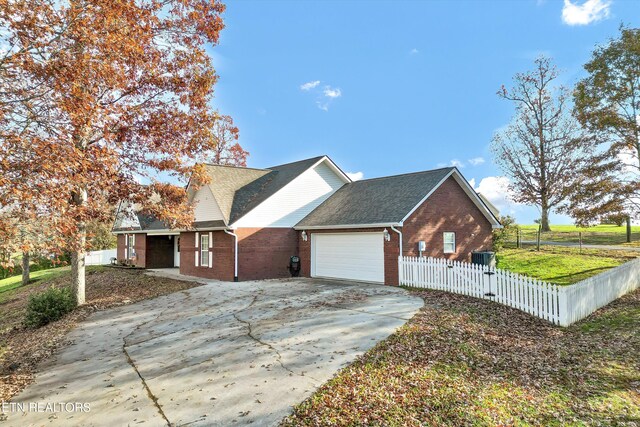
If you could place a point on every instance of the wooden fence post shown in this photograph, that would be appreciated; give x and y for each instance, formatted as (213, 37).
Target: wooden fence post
(580, 239)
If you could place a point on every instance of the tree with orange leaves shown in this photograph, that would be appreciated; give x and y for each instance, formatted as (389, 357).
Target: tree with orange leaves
(228, 151)
(96, 96)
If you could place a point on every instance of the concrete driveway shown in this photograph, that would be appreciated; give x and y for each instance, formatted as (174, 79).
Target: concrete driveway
(220, 354)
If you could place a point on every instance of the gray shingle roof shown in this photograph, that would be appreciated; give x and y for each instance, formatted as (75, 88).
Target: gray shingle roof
(256, 192)
(385, 200)
(239, 190)
(147, 222)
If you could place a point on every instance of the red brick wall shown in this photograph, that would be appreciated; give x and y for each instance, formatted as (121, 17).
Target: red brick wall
(391, 250)
(263, 253)
(121, 251)
(221, 253)
(447, 209)
(140, 248)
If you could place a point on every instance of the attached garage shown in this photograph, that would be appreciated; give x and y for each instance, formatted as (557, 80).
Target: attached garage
(352, 256)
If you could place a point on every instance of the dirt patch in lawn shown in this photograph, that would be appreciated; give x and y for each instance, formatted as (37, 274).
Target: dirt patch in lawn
(464, 361)
(21, 349)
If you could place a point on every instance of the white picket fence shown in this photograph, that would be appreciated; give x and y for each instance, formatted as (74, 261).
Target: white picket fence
(100, 257)
(583, 298)
(561, 305)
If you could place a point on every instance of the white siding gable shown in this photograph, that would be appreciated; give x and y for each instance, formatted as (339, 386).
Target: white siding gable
(295, 200)
(126, 217)
(206, 207)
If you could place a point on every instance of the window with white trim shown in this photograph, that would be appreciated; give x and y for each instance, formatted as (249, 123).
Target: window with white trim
(131, 242)
(204, 249)
(449, 242)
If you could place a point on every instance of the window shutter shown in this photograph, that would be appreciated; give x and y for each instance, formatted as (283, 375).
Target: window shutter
(126, 246)
(210, 252)
(197, 251)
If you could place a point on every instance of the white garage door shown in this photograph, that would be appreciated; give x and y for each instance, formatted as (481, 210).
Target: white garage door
(354, 256)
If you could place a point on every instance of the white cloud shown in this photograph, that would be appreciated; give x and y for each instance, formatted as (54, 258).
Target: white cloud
(310, 85)
(324, 106)
(585, 13)
(476, 161)
(355, 176)
(324, 95)
(329, 92)
(414, 51)
(456, 163)
(496, 190)
(472, 182)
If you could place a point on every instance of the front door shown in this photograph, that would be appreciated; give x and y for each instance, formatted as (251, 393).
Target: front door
(176, 251)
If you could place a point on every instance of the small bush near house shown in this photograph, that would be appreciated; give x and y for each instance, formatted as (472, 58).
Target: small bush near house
(49, 306)
(502, 235)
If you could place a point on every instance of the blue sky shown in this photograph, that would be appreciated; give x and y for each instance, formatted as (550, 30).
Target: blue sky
(393, 87)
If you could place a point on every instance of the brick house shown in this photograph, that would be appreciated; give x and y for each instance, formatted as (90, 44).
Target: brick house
(249, 222)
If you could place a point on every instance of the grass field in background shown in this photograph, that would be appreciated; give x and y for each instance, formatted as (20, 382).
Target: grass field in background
(14, 282)
(561, 265)
(596, 235)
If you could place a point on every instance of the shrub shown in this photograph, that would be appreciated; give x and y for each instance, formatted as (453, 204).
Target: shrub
(502, 235)
(49, 306)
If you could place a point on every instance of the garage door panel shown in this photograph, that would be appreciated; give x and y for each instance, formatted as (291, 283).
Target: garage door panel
(354, 256)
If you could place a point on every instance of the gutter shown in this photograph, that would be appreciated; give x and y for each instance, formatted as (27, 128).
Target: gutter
(344, 226)
(235, 253)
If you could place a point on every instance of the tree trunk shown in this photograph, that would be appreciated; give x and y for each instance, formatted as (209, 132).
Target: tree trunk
(26, 273)
(544, 220)
(628, 228)
(78, 253)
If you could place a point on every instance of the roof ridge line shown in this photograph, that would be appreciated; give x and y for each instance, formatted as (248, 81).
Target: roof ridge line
(403, 174)
(237, 167)
(297, 161)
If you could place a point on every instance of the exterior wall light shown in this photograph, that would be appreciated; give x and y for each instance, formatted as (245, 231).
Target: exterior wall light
(386, 235)
(304, 236)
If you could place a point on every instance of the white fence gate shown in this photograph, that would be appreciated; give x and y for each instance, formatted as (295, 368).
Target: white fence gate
(561, 305)
(100, 257)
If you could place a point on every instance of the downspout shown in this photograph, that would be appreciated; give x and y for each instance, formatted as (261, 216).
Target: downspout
(400, 236)
(399, 255)
(235, 253)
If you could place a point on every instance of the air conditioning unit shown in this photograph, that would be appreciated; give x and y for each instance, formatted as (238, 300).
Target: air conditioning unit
(484, 258)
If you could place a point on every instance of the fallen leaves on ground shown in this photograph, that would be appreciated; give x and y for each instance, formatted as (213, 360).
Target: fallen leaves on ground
(22, 349)
(464, 361)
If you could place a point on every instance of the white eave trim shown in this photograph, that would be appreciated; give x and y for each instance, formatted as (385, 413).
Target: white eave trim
(346, 226)
(149, 232)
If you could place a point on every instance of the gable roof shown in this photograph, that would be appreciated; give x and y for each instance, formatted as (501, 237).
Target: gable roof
(254, 193)
(384, 201)
(238, 190)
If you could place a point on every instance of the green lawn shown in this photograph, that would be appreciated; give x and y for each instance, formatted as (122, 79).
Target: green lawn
(464, 361)
(596, 235)
(561, 265)
(13, 282)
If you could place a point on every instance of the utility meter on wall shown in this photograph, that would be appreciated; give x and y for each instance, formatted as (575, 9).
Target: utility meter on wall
(422, 246)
